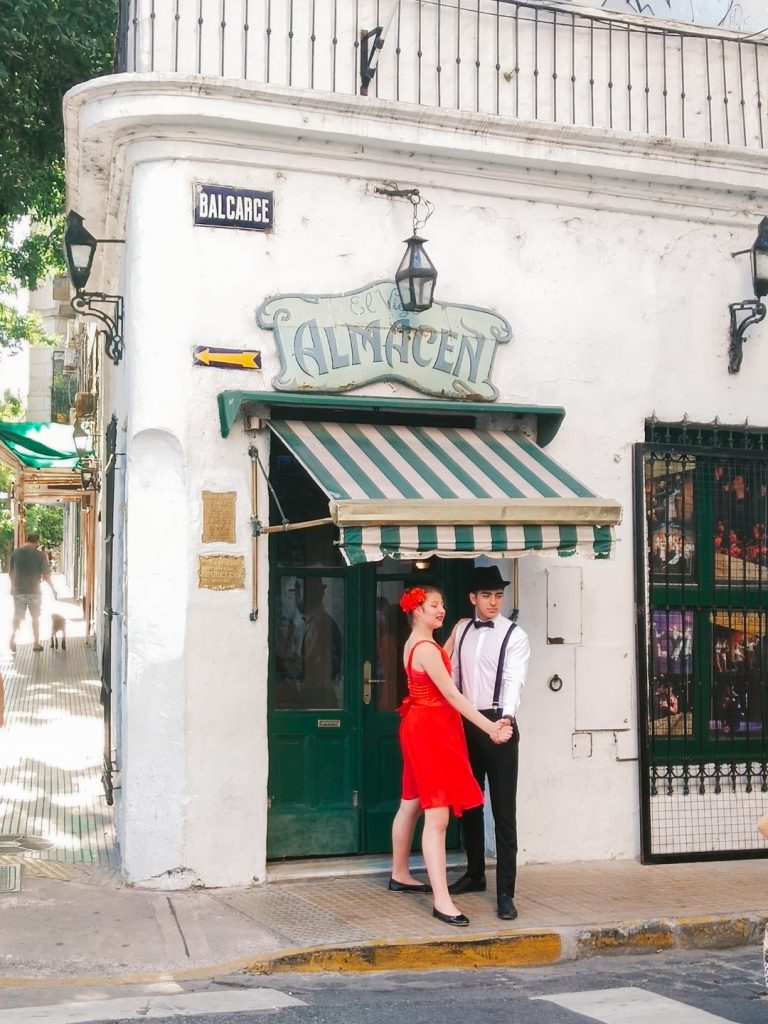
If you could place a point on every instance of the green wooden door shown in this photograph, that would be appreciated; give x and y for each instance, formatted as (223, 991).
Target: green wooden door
(314, 715)
(336, 679)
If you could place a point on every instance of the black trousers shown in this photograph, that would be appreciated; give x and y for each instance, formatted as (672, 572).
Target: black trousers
(498, 762)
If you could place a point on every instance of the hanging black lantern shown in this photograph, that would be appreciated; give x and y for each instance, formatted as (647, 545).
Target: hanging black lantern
(760, 260)
(83, 442)
(79, 250)
(416, 277)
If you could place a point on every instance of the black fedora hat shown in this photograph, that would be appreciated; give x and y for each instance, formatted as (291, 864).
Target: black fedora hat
(486, 577)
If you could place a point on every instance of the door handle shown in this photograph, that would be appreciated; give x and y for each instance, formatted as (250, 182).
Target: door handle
(368, 682)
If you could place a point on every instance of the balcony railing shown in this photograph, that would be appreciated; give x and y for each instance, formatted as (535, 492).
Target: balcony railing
(534, 61)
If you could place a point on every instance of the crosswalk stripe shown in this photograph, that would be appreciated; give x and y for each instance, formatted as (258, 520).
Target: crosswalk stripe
(630, 1006)
(148, 1007)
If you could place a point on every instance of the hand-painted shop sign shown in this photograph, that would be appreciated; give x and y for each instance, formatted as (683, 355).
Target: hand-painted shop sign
(219, 206)
(341, 342)
(226, 358)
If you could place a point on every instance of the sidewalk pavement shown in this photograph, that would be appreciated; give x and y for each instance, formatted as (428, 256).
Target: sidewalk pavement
(76, 925)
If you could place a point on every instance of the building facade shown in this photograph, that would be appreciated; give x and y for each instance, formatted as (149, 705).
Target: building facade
(588, 176)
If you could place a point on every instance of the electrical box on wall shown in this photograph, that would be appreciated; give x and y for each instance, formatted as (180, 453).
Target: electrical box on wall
(564, 605)
(603, 689)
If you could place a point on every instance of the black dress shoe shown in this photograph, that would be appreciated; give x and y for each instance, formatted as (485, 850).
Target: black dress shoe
(460, 920)
(467, 884)
(395, 886)
(507, 909)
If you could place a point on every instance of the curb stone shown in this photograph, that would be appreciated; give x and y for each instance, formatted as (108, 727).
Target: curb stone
(535, 948)
(526, 949)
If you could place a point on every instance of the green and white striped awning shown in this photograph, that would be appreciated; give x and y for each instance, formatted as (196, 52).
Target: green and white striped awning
(414, 491)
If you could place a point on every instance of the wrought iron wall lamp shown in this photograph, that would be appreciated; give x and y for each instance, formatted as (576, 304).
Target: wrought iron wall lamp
(416, 276)
(755, 309)
(79, 251)
(87, 463)
(89, 475)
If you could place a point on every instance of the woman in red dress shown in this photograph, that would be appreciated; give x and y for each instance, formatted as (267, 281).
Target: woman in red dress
(437, 777)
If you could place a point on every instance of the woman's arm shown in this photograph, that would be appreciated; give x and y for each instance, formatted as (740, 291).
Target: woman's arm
(428, 659)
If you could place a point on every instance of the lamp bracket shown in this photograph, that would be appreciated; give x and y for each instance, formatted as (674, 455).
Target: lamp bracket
(391, 189)
(87, 304)
(370, 44)
(414, 196)
(755, 312)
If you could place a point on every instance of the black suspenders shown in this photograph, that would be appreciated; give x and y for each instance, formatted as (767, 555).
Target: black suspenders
(499, 667)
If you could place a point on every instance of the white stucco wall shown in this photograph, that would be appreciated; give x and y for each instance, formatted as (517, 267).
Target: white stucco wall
(609, 256)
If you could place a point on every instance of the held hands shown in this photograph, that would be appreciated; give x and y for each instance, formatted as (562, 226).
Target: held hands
(502, 731)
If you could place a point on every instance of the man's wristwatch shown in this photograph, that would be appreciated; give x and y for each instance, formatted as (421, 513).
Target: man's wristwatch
(509, 719)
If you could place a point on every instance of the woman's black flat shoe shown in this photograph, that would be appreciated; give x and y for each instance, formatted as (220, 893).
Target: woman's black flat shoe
(407, 887)
(460, 920)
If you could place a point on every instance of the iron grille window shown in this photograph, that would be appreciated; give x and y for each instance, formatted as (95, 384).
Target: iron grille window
(704, 549)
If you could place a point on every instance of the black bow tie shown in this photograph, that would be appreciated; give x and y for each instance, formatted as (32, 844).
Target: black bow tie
(479, 624)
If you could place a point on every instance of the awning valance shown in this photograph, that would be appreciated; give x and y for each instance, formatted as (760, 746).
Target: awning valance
(410, 492)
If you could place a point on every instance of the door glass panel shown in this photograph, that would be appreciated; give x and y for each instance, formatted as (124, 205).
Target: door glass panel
(391, 633)
(740, 511)
(672, 673)
(308, 643)
(738, 661)
(672, 518)
(299, 500)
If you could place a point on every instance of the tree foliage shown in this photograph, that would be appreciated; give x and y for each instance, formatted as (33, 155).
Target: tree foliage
(47, 521)
(6, 537)
(46, 47)
(16, 327)
(11, 411)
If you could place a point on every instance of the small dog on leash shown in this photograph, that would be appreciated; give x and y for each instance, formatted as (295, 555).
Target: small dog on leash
(58, 627)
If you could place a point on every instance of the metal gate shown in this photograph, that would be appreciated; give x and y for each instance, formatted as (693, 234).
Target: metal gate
(702, 555)
(110, 456)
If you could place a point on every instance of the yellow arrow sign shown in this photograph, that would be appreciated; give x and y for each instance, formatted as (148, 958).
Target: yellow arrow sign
(227, 358)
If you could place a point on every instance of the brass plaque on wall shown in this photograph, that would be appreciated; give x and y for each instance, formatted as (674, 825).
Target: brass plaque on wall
(221, 572)
(219, 517)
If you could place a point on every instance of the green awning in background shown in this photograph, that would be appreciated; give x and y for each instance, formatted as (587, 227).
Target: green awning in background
(41, 445)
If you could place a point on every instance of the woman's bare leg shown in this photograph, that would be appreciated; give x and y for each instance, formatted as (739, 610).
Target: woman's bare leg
(433, 847)
(403, 828)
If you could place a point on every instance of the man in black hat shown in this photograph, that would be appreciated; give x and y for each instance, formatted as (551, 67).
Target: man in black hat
(490, 661)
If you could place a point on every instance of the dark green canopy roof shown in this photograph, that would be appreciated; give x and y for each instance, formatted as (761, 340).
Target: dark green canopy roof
(41, 445)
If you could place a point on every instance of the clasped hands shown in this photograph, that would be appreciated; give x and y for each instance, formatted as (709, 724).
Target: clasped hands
(502, 731)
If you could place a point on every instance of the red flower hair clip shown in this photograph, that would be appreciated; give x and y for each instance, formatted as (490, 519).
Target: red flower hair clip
(412, 599)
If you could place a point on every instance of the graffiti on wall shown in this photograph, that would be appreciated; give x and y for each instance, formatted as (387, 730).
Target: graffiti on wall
(729, 14)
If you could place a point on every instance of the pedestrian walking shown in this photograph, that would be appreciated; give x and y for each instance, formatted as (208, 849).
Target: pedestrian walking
(28, 568)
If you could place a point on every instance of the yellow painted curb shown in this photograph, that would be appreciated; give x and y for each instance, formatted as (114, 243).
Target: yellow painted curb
(639, 937)
(719, 933)
(523, 949)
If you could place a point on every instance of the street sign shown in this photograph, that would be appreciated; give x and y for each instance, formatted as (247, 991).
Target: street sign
(227, 358)
(219, 206)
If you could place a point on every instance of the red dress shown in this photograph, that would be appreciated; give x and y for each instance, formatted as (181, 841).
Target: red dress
(435, 761)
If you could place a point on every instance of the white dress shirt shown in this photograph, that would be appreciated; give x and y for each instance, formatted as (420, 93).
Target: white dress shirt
(479, 661)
